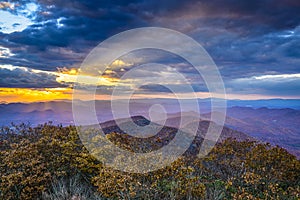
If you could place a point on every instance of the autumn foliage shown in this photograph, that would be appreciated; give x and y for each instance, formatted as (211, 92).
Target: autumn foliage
(43, 162)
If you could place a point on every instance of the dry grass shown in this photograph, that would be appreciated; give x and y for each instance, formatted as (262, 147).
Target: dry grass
(74, 188)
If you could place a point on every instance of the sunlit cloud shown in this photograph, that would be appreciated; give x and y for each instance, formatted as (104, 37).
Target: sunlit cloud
(69, 76)
(64, 70)
(34, 95)
(5, 52)
(120, 63)
(28, 95)
(277, 76)
(58, 22)
(30, 8)
(11, 67)
(46, 41)
(75, 76)
(254, 87)
(9, 5)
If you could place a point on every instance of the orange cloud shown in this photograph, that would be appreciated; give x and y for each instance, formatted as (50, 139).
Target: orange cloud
(64, 70)
(65, 75)
(27, 95)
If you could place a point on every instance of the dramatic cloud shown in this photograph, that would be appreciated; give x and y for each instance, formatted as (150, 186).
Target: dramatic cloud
(5, 52)
(246, 39)
(25, 78)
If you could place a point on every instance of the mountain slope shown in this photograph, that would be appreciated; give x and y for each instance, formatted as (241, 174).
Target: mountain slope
(276, 126)
(163, 134)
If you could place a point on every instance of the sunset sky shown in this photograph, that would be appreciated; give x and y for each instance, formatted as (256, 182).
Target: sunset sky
(255, 44)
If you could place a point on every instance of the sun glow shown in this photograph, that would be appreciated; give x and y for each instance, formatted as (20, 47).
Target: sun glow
(67, 77)
(63, 75)
(73, 75)
(27, 95)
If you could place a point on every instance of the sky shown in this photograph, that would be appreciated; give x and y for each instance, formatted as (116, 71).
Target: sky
(255, 45)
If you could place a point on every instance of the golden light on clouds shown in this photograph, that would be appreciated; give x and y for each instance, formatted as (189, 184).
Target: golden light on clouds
(64, 76)
(73, 75)
(120, 63)
(67, 77)
(27, 95)
(65, 70)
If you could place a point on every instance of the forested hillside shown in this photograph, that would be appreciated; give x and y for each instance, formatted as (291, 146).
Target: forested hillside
(50, 162)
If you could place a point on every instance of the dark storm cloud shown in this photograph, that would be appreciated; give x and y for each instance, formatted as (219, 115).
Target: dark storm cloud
(73, 26)
(20, 78)
(78, 25)
(249, 36)
(235, 14)
(245, 38)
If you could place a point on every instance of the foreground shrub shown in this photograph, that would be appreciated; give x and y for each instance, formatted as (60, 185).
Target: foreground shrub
(31, 160)
(49, 162)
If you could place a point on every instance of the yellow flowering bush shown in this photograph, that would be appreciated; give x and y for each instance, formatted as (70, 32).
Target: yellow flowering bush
(33, 160)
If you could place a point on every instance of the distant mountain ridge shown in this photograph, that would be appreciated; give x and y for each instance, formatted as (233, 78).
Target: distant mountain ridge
(18, 112)
(276, 124)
